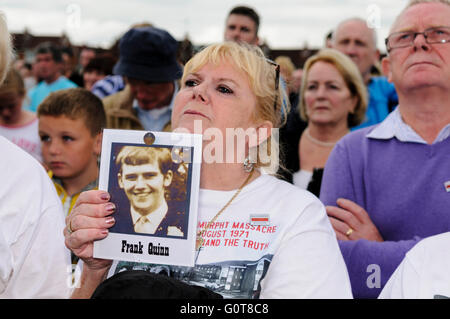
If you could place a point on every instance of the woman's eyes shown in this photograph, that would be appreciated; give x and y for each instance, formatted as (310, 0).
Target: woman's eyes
(190, 83)
(328, 86)
(221, 88)
(224, 89)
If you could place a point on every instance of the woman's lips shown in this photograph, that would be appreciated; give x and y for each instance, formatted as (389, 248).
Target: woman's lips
(192, 112)
(321, 108)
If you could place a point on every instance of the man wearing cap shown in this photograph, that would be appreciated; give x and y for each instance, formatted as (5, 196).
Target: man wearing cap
(148, 64)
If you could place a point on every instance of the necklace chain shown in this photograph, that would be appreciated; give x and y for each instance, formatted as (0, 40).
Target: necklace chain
(199, 238)
(316, 141)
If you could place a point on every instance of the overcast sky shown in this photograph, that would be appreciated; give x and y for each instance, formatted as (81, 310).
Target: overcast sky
(284, 23)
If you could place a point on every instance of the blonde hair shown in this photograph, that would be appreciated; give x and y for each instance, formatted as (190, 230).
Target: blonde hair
(13, 83)
(352, 78)
(5, 48)
(286, 64)
(261, 74)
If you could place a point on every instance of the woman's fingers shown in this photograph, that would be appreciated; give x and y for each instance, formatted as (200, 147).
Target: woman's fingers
(82, 240)
(79, 221)
(92, 197)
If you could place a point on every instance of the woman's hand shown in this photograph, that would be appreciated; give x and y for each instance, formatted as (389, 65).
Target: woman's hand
(351, 222)
(89, 221)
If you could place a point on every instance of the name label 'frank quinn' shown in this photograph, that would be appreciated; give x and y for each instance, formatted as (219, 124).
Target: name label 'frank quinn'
(138, 249)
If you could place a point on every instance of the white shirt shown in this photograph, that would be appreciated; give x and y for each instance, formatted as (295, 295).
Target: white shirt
(152, 220)
(25, 136)
(302, 178)
(423, 273)
(296, 255)
(394, 126)
(34, 262)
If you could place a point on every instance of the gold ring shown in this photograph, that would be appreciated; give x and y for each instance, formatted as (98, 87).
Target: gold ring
(349, 232)
(69, 227)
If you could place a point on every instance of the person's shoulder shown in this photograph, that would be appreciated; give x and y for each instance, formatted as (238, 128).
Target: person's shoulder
(356, 137)
(15, 155)
(115, 80)
(177, 207)
(291, 207)
(440, 242)
(287, 191)
(118, 99)
(20, 168)
(107, 86)
(36, 88)
(66, 83)
(380, 83)
(431, 253)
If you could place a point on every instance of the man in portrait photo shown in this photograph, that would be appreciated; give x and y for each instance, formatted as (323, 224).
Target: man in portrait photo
(145, 174)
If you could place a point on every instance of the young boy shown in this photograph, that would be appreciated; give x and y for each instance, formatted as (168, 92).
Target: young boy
(70, 128)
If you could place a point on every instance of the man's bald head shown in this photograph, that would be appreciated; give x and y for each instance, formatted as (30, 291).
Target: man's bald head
(356, 39)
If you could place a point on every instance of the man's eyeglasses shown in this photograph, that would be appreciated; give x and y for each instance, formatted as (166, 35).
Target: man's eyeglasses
(277, 81)
(406, 39)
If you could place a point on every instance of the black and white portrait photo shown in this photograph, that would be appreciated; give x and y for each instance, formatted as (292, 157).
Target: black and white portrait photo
(149, 190)
(153, 179)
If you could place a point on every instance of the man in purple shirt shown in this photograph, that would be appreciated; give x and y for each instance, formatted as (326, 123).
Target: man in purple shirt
(386, 185)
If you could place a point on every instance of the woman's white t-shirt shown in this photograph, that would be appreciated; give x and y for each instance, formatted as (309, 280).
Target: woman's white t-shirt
(295, 255)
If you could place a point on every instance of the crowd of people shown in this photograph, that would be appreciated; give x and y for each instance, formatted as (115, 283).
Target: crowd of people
(357, 193)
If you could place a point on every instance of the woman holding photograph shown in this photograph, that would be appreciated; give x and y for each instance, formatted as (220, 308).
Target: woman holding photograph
(294, 252)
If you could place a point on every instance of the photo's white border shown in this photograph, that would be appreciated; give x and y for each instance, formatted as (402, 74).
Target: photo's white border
(181, 251)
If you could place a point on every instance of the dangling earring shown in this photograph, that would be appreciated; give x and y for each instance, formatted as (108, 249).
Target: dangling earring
(248, 166)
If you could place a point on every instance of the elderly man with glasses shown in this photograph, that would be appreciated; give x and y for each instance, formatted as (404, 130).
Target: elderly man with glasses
(388, 186)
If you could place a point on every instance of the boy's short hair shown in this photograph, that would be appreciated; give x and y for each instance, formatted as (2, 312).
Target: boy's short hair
(75, 103)
(140, 155)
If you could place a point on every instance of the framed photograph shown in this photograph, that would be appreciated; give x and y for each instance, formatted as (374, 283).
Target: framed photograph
(154, 181)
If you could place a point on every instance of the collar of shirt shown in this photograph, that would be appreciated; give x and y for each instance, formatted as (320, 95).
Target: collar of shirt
(154, 218)
(54, 83)
(156, 119)
(92, 185)
(66, 200)
(394, 126)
